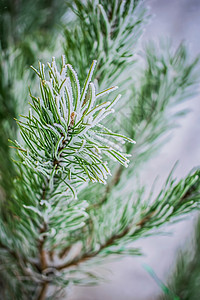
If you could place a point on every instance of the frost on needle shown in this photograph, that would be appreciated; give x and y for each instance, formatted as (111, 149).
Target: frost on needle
(64, 137)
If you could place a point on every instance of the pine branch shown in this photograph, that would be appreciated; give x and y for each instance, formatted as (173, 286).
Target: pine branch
(173, 201)
(183, 280)
(62, 148)
(168, 79)
(183, 197)
(107, 31)
(87, 256)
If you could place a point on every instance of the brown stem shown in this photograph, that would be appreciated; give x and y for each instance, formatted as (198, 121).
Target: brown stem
(109, 242)
(89, 255)
(42, 252)
(114, 182)
(64, 252)
(42, 294)
(144, 220)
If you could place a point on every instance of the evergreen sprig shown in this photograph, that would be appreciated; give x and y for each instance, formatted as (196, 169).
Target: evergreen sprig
(169, 78)
(174, 201)
(107, 31)
(66, 140)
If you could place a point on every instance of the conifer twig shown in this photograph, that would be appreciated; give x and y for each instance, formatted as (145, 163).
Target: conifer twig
(89, 255)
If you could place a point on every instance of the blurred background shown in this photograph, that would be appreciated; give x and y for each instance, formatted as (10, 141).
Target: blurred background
(179, 20)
